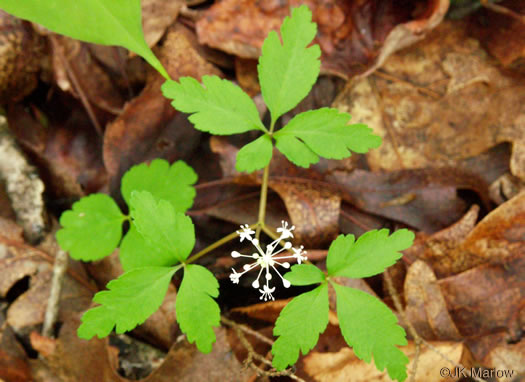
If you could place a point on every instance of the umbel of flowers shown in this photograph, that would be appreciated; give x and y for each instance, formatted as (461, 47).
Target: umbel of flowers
(268, 259)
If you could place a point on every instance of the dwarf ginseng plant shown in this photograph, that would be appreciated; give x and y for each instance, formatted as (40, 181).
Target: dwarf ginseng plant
(161, 237)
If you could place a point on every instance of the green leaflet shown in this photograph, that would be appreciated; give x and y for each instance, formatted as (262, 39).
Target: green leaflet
(197, 311)
(299, 325)
(91, 229)
(128, 302)
(370, 328)
(107, 22)
(137, 252)
(217, 106)
(323, 132)
(171, 183)
(255, 155)
(288, 71)
(172, 232)
(305, 274)
(373, 252)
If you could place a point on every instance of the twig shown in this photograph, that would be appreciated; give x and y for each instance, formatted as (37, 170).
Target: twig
(23, 185)
(253, 355)
(59, 270)
(503, 10)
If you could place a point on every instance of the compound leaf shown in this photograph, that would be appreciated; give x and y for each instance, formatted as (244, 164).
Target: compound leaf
(171, 183)
(91, 229)
(217, 106)
(197, 312)
(171, 232)
(371, 254)
(128, 302)
(255, 155)
(305, 274)
(115, 22)
(299, 325)
(288, 71)
(370, 327)
(325, 132)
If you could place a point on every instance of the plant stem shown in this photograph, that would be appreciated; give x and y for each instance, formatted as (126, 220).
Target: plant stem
(215, 245)
(262, 202)
(264, 191)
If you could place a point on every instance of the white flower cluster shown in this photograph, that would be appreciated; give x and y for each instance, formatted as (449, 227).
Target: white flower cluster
(267, 259)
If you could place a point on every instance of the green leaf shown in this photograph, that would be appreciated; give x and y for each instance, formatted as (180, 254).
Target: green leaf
(114, 22)
(171, 183)
(299, 325)
(373, 252)
(255, 155)
(130, 300)
(92, 228)
(305, 274)
(288, 71)
(219, 107)
(370, 327)
(171, 232)
(326, 133)
(296, 151)
(136, 252)
(197, 312)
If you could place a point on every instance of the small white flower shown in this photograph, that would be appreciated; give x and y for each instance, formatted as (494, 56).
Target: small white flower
(267, 293)
(234, 277)
(246, 232)
(298, 253)
(284, 231)
(267, 259)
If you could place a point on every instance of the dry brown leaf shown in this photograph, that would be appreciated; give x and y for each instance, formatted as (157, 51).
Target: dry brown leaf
(442, 250)
(437, 102)
(157, 16)
(354, 36)
(501, 234)
(344, 366)
(484, 299)
(425, 305)
(422, 198)
(185, 363)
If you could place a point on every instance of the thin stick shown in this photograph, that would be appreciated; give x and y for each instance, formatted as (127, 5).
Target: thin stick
(59, 270)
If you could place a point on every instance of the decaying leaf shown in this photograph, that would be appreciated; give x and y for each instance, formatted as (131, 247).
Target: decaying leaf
(157, 16)
(437, 102)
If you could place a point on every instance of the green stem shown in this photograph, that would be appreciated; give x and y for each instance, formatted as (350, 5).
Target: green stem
(264, 192)
(215, 245)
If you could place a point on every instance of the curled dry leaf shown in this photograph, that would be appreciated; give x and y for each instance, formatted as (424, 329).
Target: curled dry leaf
(425, 305)
(343, 366)
(150, 127)
(438, 102)
(354, 36)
